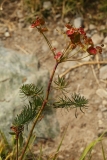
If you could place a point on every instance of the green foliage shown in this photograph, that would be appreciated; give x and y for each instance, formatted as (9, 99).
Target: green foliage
(103, 152)
(76, 101)
(30, 110)
(103, 5)
(30, 90)
(28, 113)
(79, 101)
(64, 8)
(72, 6)
(61, 84)
(3, 137)
(8, 148)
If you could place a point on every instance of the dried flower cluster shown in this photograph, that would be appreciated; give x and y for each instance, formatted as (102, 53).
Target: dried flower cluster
(77, 37)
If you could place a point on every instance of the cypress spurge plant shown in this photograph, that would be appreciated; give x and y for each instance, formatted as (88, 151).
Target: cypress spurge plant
(33, 111)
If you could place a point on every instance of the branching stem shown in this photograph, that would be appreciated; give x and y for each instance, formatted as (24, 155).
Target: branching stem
(40, 111)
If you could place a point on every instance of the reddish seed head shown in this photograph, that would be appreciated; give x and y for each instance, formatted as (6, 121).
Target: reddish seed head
(35, 24)
(68, 26)
(99, 49)
(53, 49)
(81, 30)
(70, 31)
(58, 55)
(92, 50)
(38, 22)
(89, 41)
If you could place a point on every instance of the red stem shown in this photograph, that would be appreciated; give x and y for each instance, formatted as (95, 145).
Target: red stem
(39, 113)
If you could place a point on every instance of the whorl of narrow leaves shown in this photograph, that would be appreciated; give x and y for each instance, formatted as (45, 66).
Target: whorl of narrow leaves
(76, 101)
(61, 84)
(30, 90)
(79, 101)
(28, 113)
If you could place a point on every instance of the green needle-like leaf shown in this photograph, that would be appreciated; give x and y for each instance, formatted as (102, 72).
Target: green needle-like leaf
(61, 84)
(28, 113)
(30, 90)
(76, 101)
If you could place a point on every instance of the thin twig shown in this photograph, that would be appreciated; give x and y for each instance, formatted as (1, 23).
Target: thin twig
(97, 81)
(81, 64)
(22, 49)
(97, 59)
(104, 81)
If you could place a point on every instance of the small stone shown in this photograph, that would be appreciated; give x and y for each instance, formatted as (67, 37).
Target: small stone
(100, 122)
(104, 109)
(105, 40)
(102, 27)
(67, 75)
(89, 35)
(104, 102)
(21, 25)
(67, 155)
(87, 92)
(45, 48)
(56, 31)
(101, 93)
(61, 157)
(104, 47)
(97, 38)
(105, 114)
(66, 20)
(103, 72)
(19, 14)
(93, 151)
(92, 26)
(7, 34)
(58, 16)
(30, 29)
(99, 115)
(55, 44)
(94, 31)
(69, 64)
(81, 149)
(100, 131)
(87, 58)
(78, 22)
(47, 5)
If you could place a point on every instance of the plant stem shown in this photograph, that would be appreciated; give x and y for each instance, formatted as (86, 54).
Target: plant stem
(17, 148)
(46, 39)
(40, 111)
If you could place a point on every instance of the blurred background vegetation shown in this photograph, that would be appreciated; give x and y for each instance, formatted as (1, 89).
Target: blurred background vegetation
(97, 9)
(94, 10)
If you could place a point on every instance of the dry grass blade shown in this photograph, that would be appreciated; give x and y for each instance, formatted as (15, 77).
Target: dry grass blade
(81, 64)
